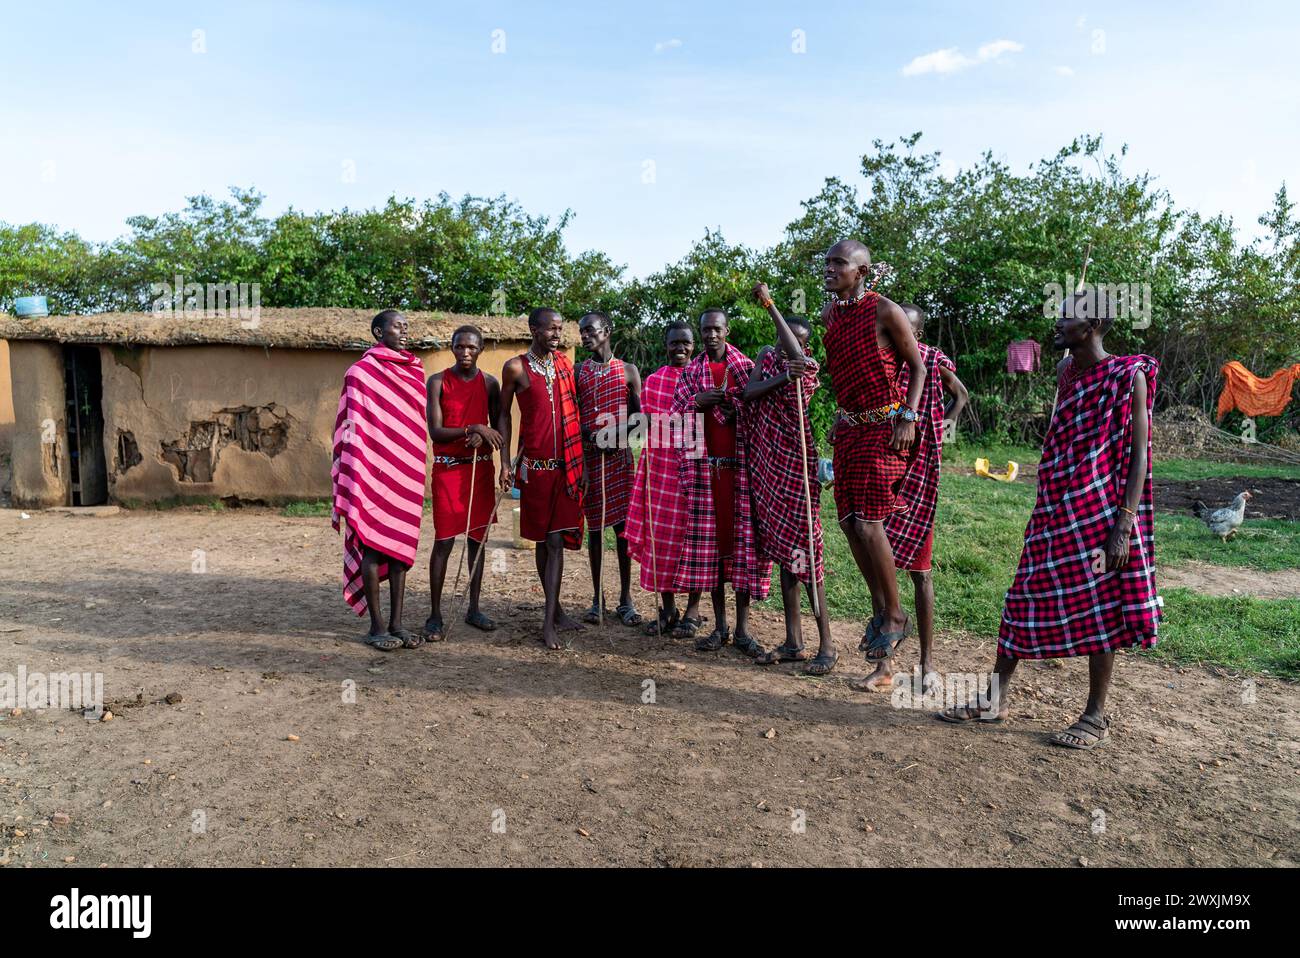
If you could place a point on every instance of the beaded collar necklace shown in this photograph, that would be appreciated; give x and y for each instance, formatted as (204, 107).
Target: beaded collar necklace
(851, 300)
(543, 367)
(546, 369)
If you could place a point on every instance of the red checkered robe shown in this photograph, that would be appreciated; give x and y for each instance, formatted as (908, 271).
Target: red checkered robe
(602, 400)
(775, 475)
(907, 531)
(868, 472)
(1057, 605)
(667, 506)
(697, 569)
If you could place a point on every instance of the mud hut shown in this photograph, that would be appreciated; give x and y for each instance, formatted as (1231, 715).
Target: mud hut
(135, 409)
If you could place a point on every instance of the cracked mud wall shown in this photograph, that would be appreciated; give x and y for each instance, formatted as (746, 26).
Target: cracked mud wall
(203, 422)
(42, 475)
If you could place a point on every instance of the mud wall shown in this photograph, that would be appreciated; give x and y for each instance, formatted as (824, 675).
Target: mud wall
(42, 473)
(203, 422)
(6, 400)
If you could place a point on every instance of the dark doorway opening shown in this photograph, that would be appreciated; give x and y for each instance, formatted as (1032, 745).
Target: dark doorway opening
(85, 413)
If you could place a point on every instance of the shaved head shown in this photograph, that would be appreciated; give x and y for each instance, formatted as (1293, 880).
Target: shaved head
(853, 251)
(847, 264)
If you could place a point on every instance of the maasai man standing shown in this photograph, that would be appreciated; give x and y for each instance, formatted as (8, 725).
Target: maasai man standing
(656, 528)
(719, 545)
(552, 477)
(782, 503)
(609, 390)
(911, 533)
(378, 477)
(463, 402)
(874, 437)
(1085, 584)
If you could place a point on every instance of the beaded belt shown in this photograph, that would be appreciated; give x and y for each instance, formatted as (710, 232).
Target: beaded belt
(459, 460)
(870, 416)
(543, 465)
(724, 462)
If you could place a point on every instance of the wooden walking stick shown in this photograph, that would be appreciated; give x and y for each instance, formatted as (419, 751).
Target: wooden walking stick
(807, 502)
(469, 518)
(760, 291)
(600, 600)
(477, 564)
(650, 528)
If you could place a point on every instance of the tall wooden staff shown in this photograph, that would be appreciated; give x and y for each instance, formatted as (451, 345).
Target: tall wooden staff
(1079, 288)
(477, 564)
(650, 528)
(807, 501)
(600, 601)
(469, 518)
(783, 331)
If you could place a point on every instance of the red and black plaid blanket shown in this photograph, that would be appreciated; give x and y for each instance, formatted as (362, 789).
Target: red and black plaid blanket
(698, 566)
(908, 530)
(657, 544)
(602, 397)
(775, 475)
(1058, 604)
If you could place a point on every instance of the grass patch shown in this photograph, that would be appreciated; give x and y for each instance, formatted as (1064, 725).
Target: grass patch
(1264, 544)
(964, 454)
(1236, 632)
(310, 509)
(981, 528)
(1188, 470)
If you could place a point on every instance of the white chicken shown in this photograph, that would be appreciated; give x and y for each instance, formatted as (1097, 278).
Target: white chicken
(1223, 522)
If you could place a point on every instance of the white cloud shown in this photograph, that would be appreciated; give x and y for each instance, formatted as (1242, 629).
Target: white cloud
(663, 45)
(1078, 24)
(1065, 71)
(951, 60)
(940, 61)
(991, 51)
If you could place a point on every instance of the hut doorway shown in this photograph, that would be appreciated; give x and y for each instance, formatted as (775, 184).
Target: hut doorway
(84, 384)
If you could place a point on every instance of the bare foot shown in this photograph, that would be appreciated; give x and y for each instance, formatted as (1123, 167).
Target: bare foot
(551, 639)
(881, 680)
(564, 623)
(930, 679)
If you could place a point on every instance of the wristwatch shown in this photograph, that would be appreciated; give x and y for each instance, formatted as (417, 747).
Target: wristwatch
(907, 414)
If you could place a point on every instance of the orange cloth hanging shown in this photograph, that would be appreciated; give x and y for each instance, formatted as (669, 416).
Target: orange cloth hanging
(1245, 391)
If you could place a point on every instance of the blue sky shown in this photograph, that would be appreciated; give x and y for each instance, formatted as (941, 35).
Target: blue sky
(111, 112)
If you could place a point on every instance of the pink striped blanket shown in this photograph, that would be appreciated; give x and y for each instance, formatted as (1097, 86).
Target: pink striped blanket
(379, 463)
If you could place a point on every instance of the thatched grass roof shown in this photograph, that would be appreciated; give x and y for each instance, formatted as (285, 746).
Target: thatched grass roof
(317, 328)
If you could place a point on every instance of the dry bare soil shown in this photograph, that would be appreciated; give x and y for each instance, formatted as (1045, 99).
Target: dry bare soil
(559, 751)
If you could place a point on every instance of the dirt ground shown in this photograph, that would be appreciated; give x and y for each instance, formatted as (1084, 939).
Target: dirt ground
(558, 750)
(1210, 579)
(1272, 498)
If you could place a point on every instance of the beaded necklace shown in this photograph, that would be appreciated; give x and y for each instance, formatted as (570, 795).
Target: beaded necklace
(546, 369)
